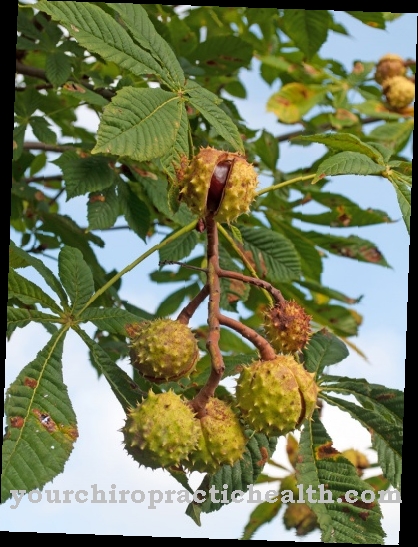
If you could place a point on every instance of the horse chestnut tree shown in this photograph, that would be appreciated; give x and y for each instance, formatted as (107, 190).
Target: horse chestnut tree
(174, 161)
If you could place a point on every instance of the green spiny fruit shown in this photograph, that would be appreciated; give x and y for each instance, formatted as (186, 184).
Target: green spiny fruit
(163, 350)
(388, 66)
(161, 431)
(218, 182)
(287, 327)
(276, 396)
(221, 441)
(399, 91)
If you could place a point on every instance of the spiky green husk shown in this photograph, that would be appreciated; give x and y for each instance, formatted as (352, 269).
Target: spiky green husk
(276, 396)
(164, 350)
(288, 327)
(239, 192)
(388, 66)
(161, 431)
(221, 441)
(399, 91)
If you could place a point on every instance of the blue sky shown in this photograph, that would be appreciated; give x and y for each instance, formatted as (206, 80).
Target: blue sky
(98, 457)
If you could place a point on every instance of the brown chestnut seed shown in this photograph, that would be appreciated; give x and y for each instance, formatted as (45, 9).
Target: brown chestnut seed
(217, 185)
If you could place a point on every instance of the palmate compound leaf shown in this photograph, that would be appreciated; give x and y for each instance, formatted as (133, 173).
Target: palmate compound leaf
(41, 424)
(321, 466)
(239, 477)
(381, 412)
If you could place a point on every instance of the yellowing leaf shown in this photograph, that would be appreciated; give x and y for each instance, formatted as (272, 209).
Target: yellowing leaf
(293, 101)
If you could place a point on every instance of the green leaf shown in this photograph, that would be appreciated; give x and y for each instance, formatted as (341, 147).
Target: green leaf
(102, 209)
(171, 162)
(135, 18)
(267, 148)
(240, 476)
(58, 67)
(376, 109)
(83, 175)
(136, 212)
(350, 247)
(373, 19)
(179, 248)
(113, 320)
(381, 413)
(317, 288)
(123, 387)
(98, 32)
(41, 424)
(19, 258)
(319, 464)
(343, 212)
(72, 235)
(294, 100)
(346, 142)
(76, 277)
(29, 293)
(20, 317)
(308, 29)
(347, 163)
(140, 124)
(222, 54)
(324, 349)
(262, 514)
(18, 139)
(393, 135)
(220, 121)
(310, 259)
(273, 253)
(72, 89)
(42, 131)
(403, 193)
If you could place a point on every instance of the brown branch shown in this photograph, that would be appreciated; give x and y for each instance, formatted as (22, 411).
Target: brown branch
(30, 145)
(187, 312)
(212, 342)
(34, 72)
(267, 352)
(275, 293)
(41, 178)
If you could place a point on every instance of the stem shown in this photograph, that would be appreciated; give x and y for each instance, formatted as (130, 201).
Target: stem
(47, 147)
(245, 260)
(275, 293)
(212, 342)
(267, 352)
(187, 312)
(135, 263)
(285, 183)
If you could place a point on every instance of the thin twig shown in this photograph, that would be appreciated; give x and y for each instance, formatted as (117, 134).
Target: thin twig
(275, 293)
(187, 312)
(267, 352)
(30, 145)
